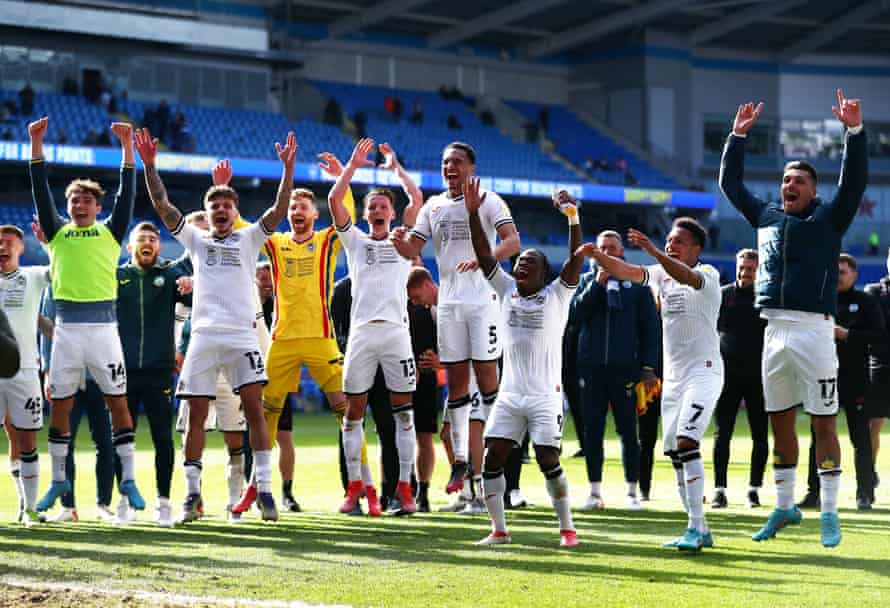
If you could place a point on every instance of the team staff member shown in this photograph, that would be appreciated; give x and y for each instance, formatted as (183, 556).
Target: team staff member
(426, 400)
(148, 290)
(878, 400)
(741, 345)
(858, 325)
(618, 346)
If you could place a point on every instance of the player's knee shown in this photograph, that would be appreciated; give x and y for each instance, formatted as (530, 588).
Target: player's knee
(496, 454)
(547, 458)
(685, 444)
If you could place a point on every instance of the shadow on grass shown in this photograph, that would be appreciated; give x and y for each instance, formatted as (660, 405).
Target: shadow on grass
(441, 540)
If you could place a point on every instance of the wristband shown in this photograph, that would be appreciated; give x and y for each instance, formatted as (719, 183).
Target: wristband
(574, 219)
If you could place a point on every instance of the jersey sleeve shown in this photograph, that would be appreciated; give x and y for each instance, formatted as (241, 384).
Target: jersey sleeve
(710, 281)
(495, 210)
(422, 227)
(40, 276)
(257, 234)
(349, 236)
(653, 275)
(502, 283)
(186, 234)
(564, 292)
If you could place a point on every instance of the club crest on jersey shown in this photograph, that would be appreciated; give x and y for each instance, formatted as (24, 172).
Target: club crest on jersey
(854, 307)
(158, 282)
(311, 247)
(235, 237)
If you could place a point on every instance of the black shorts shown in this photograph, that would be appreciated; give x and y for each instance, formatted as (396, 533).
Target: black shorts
(286, 420)
(426, 404)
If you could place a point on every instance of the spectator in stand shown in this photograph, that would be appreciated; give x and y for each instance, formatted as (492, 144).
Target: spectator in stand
(104, 139)
(149, 119)
(162, 120)
(333, 114)
(453, 123)
(544, 119)
(26, 100)
(397, 109)
(10, 106)
(69, 86)
(874, 243)
(361, 123)
(389, 105)
(417, 111)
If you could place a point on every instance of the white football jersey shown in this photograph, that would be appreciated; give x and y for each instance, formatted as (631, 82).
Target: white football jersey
(447, 222)
(689, 320)
(20, 300)
(532, 330)
(379, 278)
(224, 283)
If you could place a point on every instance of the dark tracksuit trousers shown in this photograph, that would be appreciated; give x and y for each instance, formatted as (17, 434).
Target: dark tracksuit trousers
(153, 390)
(91, 403)
(599, 387)
(742, 381)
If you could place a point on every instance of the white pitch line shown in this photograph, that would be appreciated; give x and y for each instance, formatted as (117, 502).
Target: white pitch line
(157, 597)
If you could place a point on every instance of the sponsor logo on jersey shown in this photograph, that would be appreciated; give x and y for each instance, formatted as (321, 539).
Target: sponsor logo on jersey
(72, 233)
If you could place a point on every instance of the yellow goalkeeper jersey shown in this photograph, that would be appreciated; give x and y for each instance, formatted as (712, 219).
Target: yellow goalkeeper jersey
(303, 278)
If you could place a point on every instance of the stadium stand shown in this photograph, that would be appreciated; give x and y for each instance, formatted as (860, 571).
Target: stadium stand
(420, 146)
(579, 142)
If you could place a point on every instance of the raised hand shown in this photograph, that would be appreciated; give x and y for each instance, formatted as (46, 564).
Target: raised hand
(588, 250)
(848, 111)
(746, 117)
(565, 204)
(184, 285)
(147, 147)
(38, 232)
(360, 153)
(287, 154)
(37, 129)
(470, 189)
(330, 164)
(641, 240)
(390, 160)
(222, 173)
(123, 131)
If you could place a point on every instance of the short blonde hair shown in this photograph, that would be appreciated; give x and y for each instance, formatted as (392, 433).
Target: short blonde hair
(222, 191)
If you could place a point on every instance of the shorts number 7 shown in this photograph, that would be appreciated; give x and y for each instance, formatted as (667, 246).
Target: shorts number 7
(698, 410)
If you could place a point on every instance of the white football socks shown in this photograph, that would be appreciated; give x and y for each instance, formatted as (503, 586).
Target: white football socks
(494, 485)
(353, 436)
(785, 481)
(406, 440)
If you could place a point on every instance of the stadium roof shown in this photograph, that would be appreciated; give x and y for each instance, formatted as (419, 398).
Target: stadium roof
(548, 29)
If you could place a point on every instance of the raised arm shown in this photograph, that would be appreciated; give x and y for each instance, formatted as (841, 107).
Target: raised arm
(359, 158)
(854, 166)
(732, 165)
(571, 268)
(287, 154)
(473, 201)
(677, 269)
(415, 196)
(616, 267)
(122, 212)
(331, 165)
(147, 147)
(49, 219)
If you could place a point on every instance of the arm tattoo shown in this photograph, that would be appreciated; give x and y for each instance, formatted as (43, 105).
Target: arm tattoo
(170, 215)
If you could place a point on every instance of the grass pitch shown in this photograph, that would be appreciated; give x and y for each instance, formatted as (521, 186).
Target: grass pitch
(321, 557)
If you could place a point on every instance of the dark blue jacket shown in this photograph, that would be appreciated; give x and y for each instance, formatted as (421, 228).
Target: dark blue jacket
(630, 336)
(145, 312)
(798, 253)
